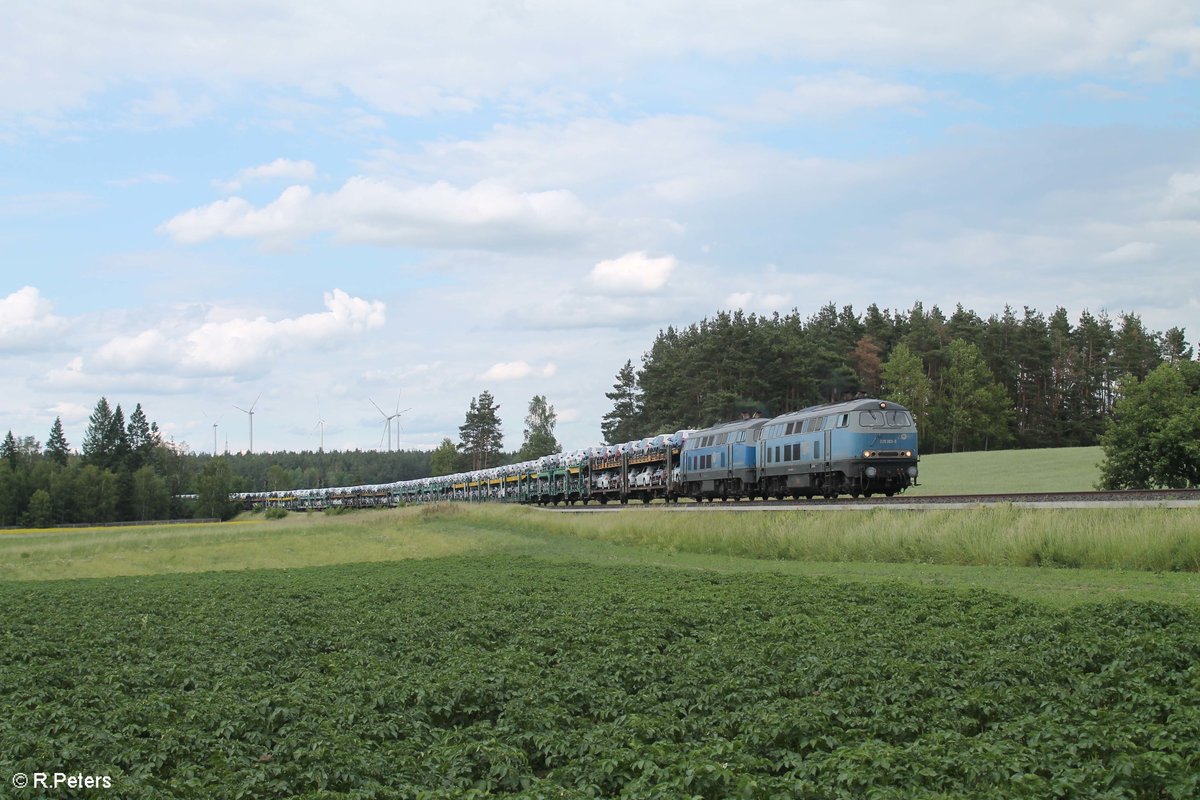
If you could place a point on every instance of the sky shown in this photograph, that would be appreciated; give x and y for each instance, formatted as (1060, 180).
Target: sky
(320, 208)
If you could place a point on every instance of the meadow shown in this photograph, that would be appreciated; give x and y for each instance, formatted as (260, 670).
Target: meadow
(1064, 469)
(456, 651)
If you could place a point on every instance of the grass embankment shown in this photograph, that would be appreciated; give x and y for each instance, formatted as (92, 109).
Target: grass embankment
(1117, 553)
(1063, 469)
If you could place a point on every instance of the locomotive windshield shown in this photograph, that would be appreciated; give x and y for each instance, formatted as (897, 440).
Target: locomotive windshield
(884, 419)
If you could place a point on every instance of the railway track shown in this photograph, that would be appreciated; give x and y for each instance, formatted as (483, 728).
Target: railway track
(1163, 498)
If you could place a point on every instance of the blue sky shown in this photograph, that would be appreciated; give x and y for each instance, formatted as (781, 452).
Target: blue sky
(325, 205)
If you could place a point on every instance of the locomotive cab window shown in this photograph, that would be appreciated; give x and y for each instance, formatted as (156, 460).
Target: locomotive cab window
(881, 419)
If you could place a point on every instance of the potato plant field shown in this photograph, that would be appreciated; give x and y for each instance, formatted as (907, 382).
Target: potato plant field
(504, 676)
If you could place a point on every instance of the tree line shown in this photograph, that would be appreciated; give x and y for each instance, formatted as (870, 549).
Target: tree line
(1012, 380)
(125, 471)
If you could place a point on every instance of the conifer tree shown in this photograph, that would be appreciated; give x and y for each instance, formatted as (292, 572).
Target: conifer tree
(620, 424)
(57, 449)
(480, 437)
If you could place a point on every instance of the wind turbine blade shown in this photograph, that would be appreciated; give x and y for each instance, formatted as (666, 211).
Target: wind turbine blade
(252, 405)
(239, 408)
(377, 408)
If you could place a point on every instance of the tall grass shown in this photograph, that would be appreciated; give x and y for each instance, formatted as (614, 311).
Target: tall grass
(299, 540)
(1154, 540)
(1131, 539)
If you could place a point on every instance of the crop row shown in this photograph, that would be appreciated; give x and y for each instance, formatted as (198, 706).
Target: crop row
(485, 677)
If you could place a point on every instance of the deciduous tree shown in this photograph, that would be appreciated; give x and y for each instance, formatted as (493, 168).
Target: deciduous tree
(539, 430)
(1154, 437)
(444, 460)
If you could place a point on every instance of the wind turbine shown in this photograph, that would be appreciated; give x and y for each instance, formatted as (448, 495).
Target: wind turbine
(215, 423)
(320, 424)
(250, 413)
(387, 420)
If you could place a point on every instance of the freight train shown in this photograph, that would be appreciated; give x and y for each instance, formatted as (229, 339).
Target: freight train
(858, 448)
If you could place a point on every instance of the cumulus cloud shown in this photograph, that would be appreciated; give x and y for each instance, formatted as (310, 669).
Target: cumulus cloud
(234, 346)
(369, 210)
(27, 321)
(632, 273)
(279, 169)
(516, 370)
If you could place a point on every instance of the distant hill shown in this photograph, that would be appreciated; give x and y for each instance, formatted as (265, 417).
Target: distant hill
(1062, 469)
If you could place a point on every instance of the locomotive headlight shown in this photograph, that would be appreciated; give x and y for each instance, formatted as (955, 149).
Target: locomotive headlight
(870, 472)
(908, 453)
(868, 453)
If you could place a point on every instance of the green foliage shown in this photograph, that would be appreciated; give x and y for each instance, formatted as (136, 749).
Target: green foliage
(1154, 438)
(622, 423)
(444, 460)
(57, 449)
(539, 430)
(1053, 384)
(41, 512)
(480, 436)
(471, 678)
(973, 410)
(275, 513)
(213, 487)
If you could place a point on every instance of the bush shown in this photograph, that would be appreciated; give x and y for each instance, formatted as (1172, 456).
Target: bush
(275, 513)
(1153, 439)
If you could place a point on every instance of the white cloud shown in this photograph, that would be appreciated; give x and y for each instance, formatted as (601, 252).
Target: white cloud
(761, 303)
(632, 273)
(418, 59)
(1130, 253)
(1183, 195)
(27, 321)
(239, 345)
(835, 95)
(166, 107)
(368, 210)
(516, 370)
(279, 169)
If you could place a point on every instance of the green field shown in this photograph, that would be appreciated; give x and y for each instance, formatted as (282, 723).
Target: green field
(484, 651)
(1066, 469)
